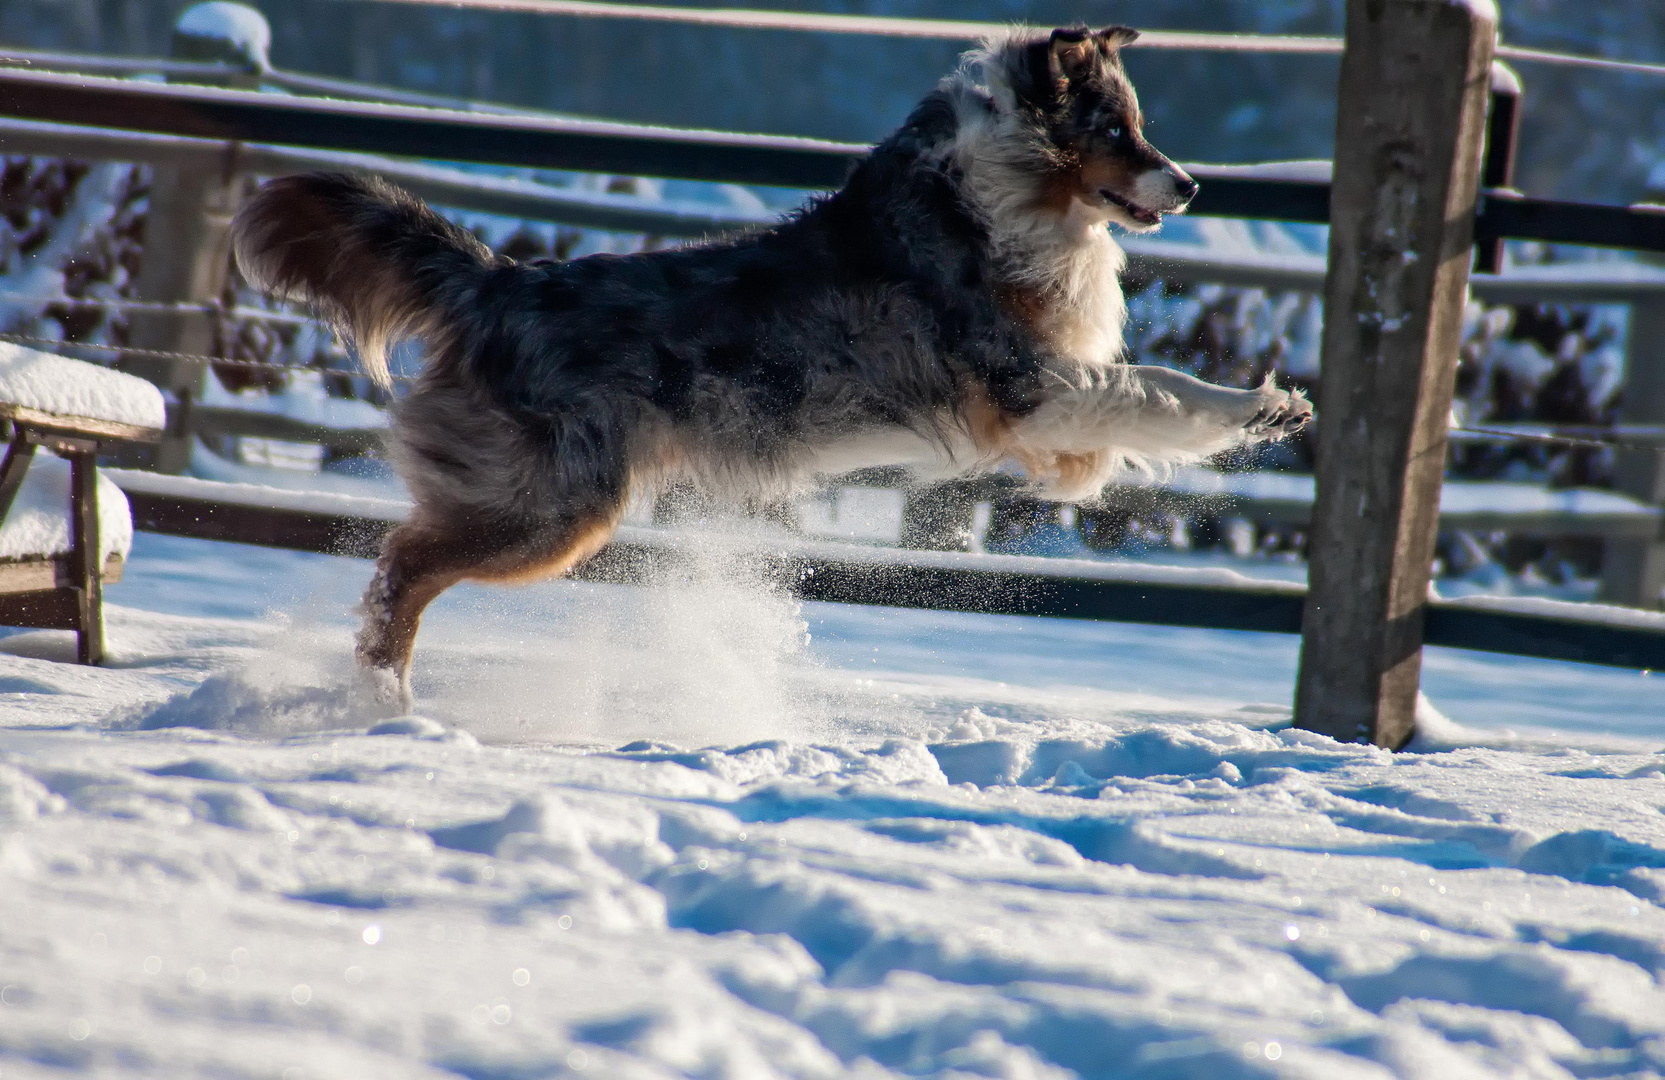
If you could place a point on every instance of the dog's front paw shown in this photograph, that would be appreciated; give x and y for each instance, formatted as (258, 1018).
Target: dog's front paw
(1279, 413)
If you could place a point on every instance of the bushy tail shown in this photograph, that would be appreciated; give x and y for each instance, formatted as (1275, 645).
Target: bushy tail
(371, 258)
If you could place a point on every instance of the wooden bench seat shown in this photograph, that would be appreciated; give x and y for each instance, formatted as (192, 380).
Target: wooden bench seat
(76, 410)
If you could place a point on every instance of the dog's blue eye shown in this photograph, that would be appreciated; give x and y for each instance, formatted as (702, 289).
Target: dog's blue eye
(1115, 133)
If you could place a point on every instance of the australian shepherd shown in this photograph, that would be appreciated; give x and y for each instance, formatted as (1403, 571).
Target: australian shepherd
(954, 308)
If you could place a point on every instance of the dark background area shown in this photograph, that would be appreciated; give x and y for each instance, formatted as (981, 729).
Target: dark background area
(1588, 134)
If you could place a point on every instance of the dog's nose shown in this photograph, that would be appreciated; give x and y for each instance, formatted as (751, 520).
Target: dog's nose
(1185, 187)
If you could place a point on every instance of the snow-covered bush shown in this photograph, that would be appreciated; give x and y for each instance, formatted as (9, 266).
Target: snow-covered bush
(69, 231)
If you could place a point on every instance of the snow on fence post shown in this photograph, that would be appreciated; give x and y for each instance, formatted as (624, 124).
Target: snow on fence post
(187, 246)
(1411, 117)
(1633, 571)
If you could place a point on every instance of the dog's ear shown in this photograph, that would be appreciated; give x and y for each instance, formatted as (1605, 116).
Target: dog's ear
(1071, 54)
(1114, 37)
(1043, 76)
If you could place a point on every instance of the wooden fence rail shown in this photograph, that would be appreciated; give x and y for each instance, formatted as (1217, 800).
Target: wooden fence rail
(596, 146)
(443, 185)
(949, 581)
(1630, 526)
(231, 129)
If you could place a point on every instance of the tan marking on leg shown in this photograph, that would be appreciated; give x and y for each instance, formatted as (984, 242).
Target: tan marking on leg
(419, 561)
(989, 427)
(416, 565)
(994, 433)
(996, 436)
(1079, 472)
(519, 568)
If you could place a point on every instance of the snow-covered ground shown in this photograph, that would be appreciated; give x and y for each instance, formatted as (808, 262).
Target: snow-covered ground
(699, 830)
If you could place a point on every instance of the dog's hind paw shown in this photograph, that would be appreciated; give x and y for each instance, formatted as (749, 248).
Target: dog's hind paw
(1281, 413)
(388, 692)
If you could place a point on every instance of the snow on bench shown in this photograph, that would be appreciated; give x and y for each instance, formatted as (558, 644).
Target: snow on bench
(59, 539)
(56, 391)
(37, 526)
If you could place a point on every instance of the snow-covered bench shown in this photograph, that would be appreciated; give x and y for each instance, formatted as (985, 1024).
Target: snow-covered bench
(65, 530)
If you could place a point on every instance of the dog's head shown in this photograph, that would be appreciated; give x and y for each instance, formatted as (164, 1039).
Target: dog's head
(1072, 86)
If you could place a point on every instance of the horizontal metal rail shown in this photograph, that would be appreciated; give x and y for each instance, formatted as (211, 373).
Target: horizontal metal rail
(980, 584)
(253, 423)
(1508, 215)
(453, 187)
(536, 142)
(1580, 282)
(958, 30)
(869, 25)
(1599, 282)
(1475, 506)
(96, 64)
(597, 146)
(217, 74)
(353, 90)
(811, 22)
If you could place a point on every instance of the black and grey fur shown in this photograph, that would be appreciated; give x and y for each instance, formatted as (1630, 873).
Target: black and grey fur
(953, 307)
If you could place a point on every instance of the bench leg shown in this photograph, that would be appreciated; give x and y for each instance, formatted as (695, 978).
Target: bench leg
(16, 467)
(84, 561)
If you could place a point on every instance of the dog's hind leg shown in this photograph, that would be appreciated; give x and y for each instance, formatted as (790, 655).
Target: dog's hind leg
(423, 558)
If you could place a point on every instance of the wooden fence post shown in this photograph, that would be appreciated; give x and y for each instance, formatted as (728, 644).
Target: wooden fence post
(187, 248)
(1633, 571)
(1410, 120)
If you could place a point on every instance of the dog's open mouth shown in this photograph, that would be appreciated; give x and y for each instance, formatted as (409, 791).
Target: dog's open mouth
(1138, 213)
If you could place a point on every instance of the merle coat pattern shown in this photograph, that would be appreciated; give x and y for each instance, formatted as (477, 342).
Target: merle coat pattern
(954, 307)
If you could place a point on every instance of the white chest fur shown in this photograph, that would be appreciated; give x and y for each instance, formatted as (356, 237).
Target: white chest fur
(1078, 272)
(1061, 258)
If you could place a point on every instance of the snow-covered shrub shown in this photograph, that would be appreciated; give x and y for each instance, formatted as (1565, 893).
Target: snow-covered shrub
(69, 231)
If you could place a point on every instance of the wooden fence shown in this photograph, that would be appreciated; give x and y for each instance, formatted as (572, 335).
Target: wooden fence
(949, 581)
(232, 132)
(637, 150)
(1628, 521)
